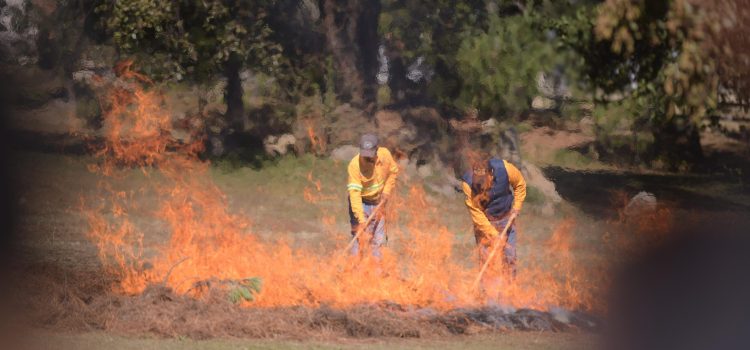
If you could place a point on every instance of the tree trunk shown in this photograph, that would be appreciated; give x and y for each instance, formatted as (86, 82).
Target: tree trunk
(351, 34)
(678, 145)
(233, 93)
(369, 41)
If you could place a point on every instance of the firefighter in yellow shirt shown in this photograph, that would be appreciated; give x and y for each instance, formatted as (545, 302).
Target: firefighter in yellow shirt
(495, 191)
(372, 176)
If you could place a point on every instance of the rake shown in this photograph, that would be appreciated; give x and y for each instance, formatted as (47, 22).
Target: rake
(498, 242)
(362, 228)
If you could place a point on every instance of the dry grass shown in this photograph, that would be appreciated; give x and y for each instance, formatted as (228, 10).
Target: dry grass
(55, 299)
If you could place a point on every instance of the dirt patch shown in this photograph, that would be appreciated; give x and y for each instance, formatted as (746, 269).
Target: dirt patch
(718, 142)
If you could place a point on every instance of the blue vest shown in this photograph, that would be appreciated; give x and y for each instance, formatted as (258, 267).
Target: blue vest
(500, 199)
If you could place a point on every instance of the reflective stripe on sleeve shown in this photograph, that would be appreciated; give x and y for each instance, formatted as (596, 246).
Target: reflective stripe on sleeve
(373, 187)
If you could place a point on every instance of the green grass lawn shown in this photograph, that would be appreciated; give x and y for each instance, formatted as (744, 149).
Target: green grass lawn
(273, 197)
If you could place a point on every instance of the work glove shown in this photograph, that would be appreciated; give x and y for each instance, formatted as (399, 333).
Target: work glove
(494, 234)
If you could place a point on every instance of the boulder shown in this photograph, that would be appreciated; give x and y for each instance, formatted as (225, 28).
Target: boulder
(348, 124)
(344, 153)
(279, 145)
(388, 122)
(98, 58)
(83, 76)
(542, 103)
(425, 134)
(641, 203)
(426, 116)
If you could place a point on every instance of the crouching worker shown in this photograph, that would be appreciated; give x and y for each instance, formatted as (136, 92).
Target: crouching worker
(372, 176)
(495, 191)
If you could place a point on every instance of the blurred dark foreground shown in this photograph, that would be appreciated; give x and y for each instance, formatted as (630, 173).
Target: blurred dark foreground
(692, 292)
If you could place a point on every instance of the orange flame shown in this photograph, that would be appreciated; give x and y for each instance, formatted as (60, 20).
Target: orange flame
(318, 144)
(208, 242)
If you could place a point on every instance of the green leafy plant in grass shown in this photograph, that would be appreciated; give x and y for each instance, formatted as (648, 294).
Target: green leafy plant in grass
(245, 289)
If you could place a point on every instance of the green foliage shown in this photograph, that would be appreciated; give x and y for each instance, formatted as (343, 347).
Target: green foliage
(613, 117)
(193, 37)
(656, 59)
(667, 39)
(534, 196)
(485, 54)
(329, 96)
(245, 289)
(383, 97)
(137, 21)
(431, 29)
(572, 159)
(572, 111)
(499, 68)
(623, 132)
(654, 62)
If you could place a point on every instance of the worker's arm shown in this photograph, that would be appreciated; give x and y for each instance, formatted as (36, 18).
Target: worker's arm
(390, 182)
(517, 182)
(354, 187)
(477, 215)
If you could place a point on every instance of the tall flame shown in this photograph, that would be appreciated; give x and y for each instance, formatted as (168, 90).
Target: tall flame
(208, 242)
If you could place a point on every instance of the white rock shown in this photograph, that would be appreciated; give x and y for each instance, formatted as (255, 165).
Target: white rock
(83, 76)
(278, 145)
(641, 203)
(541, 102)
(345, 152)
(87, 64)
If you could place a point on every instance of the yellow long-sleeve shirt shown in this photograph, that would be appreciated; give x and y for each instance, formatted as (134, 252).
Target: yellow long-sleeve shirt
(481, 222)
(361, 188)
